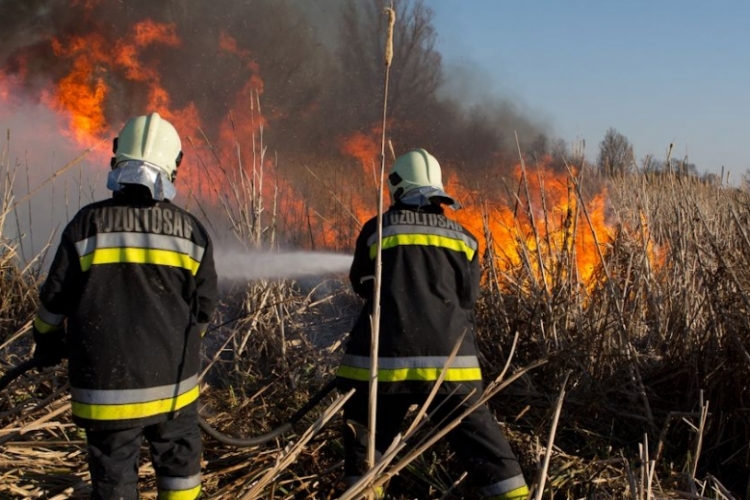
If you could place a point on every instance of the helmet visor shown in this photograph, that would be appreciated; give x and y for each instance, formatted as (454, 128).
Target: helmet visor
(144, 174)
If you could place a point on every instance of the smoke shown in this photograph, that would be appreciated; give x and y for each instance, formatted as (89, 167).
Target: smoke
(191, 71)
(312, 63)
(316, 66)
(246, 266)
(32, 151)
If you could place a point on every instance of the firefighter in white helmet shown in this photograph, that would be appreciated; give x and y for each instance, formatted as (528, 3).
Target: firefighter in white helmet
(127, 299)
(430, 283)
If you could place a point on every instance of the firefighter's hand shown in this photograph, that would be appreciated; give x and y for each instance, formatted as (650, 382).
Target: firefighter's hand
(50, 348)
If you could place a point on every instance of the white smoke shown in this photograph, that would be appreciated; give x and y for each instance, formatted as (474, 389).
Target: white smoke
(247, 265)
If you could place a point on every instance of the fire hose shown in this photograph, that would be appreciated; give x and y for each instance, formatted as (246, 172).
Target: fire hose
(240, 442)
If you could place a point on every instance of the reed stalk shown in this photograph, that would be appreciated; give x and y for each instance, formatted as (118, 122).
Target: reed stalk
(375, 318)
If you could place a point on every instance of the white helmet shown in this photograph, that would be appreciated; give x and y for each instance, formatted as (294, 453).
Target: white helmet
(147, 152)
(415, 178)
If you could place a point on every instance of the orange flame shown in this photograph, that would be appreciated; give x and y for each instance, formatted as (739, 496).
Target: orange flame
(240, 137)
(544, 229)
(547, 232)
(540, 230)
(82, 93)
(364, 148)
(229, 45)
(4, 87)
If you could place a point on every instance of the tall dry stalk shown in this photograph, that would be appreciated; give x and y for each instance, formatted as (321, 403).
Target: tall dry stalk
(375, 318)
(550, 441)
(670, 290)
(19, 276)
(260, 365)
(678, 260)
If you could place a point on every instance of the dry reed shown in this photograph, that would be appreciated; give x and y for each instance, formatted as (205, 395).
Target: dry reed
(662, 331)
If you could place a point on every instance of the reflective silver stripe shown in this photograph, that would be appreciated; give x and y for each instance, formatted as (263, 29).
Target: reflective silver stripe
(140, 240)
(410, 362)
(178, 483)
(503, 486)
(48, 317)
(128, 396)
(414, 229)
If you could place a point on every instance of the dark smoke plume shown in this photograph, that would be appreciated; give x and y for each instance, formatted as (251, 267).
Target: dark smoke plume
(196, 71)
(320, 63)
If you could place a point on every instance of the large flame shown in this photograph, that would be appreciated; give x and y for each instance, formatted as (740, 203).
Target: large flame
(543, 228)
(86, 93)
(365, 148)
(82, 93)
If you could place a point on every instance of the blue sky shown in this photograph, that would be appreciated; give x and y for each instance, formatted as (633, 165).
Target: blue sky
(658, 71)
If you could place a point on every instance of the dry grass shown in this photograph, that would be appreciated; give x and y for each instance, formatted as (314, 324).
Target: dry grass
(651, 362)
(663, 335)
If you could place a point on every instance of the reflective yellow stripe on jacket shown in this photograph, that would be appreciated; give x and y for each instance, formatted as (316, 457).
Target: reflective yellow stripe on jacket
(133, 403)
(394, 236)
(139, 248)
(415, 368)
(46, 321)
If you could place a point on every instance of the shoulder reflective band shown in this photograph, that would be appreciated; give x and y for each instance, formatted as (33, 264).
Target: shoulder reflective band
(139, 248)
(424, 236)
(417, 368)
(178, 488)
(133, 403)
(46, 321)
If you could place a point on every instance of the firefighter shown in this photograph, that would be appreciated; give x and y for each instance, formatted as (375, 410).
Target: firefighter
(430, 283)
(127, 299)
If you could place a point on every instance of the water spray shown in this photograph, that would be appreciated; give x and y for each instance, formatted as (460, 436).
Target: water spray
(252, 265)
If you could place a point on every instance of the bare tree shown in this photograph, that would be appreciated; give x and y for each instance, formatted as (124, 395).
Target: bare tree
(615, 154)
(416, 72)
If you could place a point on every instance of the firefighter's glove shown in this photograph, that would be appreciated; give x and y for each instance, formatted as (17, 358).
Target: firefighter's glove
(50, 348)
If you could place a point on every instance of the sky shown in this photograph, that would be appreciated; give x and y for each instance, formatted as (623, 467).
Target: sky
(658, 71)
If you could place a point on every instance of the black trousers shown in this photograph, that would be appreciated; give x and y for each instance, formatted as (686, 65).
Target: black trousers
(175, 447)
(477, 440)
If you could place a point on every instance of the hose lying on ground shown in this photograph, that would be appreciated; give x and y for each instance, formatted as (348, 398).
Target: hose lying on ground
(274, 433)
(239, 442)
(17, 371)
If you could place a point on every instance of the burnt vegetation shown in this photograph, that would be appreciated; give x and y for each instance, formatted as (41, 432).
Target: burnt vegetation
(652, 349)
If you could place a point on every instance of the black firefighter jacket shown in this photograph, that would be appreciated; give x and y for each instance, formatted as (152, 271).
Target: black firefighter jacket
(136, 282)
(430, 283)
